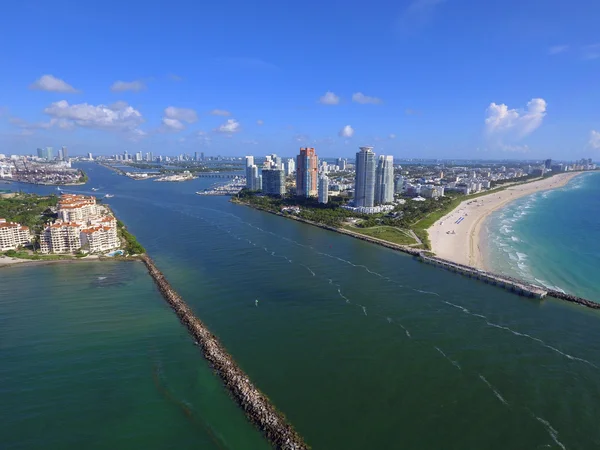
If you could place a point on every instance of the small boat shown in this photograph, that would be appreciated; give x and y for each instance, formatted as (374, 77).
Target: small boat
(58, 188)
(108, 196)
(94, 189)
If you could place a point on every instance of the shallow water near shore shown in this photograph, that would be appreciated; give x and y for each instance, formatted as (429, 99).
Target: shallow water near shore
(358, 345)
(551, 238)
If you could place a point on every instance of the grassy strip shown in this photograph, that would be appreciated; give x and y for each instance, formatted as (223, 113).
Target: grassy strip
(34, 256)
(390, 234)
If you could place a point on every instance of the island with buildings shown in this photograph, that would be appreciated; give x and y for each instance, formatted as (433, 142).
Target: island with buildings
(60, 228)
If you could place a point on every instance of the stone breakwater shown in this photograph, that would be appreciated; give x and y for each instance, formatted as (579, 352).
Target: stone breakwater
(255, 404)
(574, 299)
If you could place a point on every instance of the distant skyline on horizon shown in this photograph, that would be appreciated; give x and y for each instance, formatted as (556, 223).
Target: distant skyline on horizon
(429, 79)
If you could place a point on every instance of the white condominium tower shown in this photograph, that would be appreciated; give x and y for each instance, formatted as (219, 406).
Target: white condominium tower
(384, 180)
(364, 184)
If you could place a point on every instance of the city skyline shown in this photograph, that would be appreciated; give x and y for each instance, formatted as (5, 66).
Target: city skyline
(431, 81)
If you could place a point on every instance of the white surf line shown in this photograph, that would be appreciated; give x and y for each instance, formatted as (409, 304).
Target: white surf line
(454, 363)
(309, 269)
(496, 393)
(343, 296)
(405, 330)
(364, 308)
(516, 333)
(551, 431)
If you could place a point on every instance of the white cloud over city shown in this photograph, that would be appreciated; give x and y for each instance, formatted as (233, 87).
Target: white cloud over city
(346, 132)
(363, 99)
(174, 118)
(122, 86)
(515, 123)
(229, 127)
(329, 98)
(120, 116)
(52, 84)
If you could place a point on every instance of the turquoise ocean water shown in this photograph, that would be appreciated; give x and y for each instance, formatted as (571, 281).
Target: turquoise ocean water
(359, 346)
(551, 238)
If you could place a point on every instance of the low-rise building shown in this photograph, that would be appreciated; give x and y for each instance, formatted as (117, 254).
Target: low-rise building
(13, 235)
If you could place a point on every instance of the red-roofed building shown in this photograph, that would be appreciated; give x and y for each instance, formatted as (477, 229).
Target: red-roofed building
(13, 235)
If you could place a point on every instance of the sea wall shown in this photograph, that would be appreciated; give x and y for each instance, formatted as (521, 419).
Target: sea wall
(574, 299)
(255, 404)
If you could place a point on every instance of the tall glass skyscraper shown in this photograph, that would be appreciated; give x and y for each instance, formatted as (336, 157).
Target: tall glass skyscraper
(384, 180)
(364, 183)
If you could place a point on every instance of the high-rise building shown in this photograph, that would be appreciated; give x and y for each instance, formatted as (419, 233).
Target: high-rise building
(364, 184)
(306, 173)
(45, 153)
(290, 166)
(273, 181)
(323, 189)
(548, 164)
(195, 156)
(90, 156)
(251, 173)
(399, 184)
(341, 163)
(201, 156)
(384, 180)
(65, 153)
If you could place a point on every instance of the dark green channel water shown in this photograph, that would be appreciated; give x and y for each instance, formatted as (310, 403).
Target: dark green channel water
(359, 346)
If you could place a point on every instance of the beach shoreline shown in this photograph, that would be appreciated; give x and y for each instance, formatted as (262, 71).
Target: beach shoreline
(462, 242)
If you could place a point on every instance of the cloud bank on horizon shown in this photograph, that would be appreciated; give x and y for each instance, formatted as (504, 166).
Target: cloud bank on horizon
(422, 79)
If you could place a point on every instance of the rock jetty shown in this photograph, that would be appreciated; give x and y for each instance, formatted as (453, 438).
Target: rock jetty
(255, 404)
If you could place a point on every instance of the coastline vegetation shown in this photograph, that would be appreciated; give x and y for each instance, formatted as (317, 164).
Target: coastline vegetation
(131, 244)
(30, 210)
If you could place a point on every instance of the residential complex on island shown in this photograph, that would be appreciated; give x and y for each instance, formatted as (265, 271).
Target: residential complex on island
(82, 225)
(13, 235)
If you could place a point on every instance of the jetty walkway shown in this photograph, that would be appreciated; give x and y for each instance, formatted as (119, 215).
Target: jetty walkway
(255, 404)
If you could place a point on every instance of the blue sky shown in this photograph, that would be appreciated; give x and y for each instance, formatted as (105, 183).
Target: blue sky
(421, 78)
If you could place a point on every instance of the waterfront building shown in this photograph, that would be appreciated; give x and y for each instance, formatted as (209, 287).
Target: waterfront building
(364, 184)
(273, 181)
(13, 235)
(307, 166)
(384, 180)
(100, 238)
(290, 166)
(431, 191)
(65, 154)
(46, 153)
(61, 237)
(73, 207)
(323, 189)
(341, 163)
(252, 179)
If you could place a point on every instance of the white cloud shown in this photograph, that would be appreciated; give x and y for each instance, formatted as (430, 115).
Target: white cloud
(174, 77)
(121, 118)
(556, 49)
(172, 124)
(363, 99)
(52, 84)
(346, 132)
(392, 136)
(514, 148)
(220, 112)
(594, 139)
(515, 123)
(182, 114)
(591, 51)
(260, 122)
(229, 127)
(329, 99)
(418, 14)
(121, 86)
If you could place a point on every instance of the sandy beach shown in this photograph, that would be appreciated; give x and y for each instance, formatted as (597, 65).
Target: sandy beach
(464, 246)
